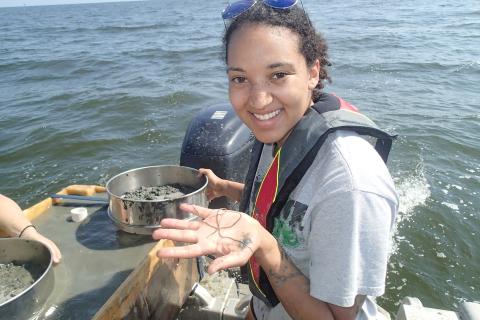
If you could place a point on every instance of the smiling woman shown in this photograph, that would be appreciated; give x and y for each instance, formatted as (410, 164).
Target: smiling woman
(318, 199)
(270, 83)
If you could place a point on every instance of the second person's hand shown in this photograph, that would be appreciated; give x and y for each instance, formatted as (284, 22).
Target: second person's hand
(216, 185)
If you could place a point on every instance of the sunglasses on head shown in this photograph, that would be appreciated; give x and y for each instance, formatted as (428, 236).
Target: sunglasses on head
(235, 9)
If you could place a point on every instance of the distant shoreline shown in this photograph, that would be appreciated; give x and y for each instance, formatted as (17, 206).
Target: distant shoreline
(41, 3)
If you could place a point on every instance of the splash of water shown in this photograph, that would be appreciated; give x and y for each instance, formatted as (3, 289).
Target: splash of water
(413, 190)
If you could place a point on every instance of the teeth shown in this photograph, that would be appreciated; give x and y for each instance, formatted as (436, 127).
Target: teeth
(267, 116)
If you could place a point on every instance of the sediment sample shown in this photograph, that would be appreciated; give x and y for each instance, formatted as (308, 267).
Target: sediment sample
(159, 193)
(13, 280)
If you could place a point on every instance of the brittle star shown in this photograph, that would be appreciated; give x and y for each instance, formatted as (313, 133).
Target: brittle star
(243, 243)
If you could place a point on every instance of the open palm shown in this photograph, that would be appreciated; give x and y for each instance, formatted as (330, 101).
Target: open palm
(231, 236)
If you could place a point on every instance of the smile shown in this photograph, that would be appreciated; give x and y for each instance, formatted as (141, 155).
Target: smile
(267, 116)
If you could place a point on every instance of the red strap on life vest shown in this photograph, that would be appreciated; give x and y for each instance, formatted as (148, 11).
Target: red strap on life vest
(265, 198)
(345, 105)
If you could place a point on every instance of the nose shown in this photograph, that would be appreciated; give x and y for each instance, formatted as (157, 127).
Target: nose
(260, 96)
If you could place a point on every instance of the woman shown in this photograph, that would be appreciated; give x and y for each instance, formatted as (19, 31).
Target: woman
(319, 201)
(15, 224)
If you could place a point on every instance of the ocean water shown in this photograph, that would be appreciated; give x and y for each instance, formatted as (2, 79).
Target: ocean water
(88, 91)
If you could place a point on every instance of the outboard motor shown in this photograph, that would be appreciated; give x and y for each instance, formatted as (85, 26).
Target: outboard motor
(218, 140)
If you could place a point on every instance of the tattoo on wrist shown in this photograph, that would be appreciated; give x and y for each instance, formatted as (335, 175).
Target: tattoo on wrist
(287, 270)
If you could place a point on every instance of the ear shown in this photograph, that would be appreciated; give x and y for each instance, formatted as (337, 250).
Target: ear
(314, 75)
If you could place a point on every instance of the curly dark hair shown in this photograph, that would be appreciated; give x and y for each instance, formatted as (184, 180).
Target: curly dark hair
(312, 45)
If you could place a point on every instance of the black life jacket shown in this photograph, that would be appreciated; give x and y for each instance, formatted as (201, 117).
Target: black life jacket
(330, 113)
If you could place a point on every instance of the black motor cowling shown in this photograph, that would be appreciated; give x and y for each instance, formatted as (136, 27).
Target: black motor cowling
(218, 140)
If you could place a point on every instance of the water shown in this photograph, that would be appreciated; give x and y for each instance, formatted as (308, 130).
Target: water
(88, 91)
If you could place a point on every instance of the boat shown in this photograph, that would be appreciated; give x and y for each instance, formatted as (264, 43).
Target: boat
(91, 282)
(109, 274)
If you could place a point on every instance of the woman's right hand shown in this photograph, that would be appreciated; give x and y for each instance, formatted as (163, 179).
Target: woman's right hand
(216, 186)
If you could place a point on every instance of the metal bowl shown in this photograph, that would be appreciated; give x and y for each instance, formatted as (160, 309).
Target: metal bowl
(144, 216)
(35, 254)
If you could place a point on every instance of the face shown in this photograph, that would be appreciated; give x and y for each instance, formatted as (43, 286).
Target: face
(270, 84)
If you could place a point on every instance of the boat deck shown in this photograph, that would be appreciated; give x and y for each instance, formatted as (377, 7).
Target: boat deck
(96, 259)
(106, 273)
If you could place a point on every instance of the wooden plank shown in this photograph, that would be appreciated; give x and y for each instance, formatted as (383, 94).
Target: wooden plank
(156, 289)
(38, 209)
(76, 189)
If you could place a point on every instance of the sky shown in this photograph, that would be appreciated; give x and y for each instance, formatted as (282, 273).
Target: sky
(21, 3)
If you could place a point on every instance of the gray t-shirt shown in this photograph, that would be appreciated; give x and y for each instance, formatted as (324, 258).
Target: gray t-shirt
(336, 224)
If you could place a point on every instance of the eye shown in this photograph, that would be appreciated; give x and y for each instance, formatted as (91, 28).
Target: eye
(279, 75)
(239, 79)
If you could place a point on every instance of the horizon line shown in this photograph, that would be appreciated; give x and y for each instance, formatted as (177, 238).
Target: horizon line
(30, 3)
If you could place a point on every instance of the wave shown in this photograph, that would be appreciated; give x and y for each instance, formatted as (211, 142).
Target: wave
(104, 28)
(40, 78)
(475, 13)
(170, 51)
(472, 24)
(447, 139)
(468, 66)
(417, 67)
(117, 29)
(32, 64)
